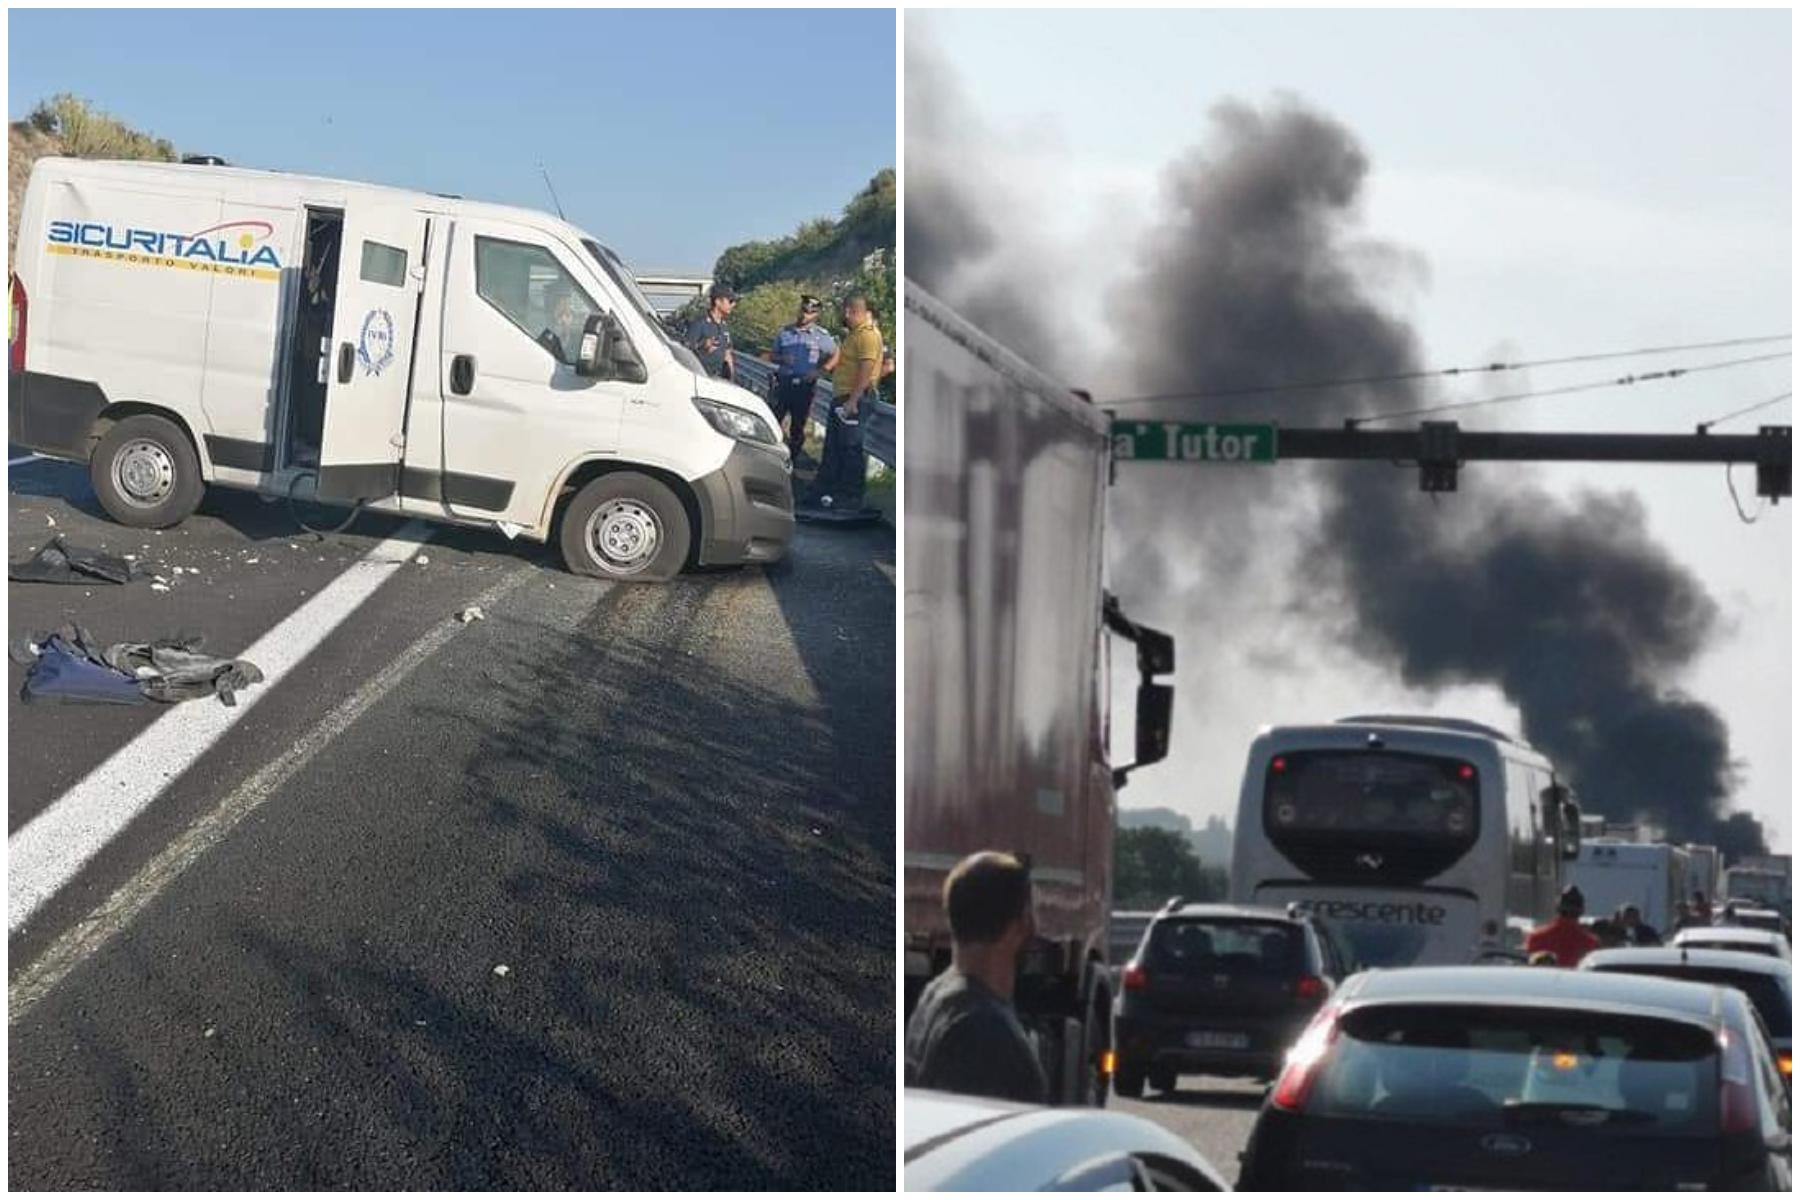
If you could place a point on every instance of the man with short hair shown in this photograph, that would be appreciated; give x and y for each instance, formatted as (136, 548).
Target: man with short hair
(965, 1035)
(709, 337)
(854, 369)
(1637, 931)
(800, 354)
(1563, 935)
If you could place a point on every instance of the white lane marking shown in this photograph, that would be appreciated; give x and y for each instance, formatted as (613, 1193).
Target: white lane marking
(48, 851)
(85, 938)
(16, 462)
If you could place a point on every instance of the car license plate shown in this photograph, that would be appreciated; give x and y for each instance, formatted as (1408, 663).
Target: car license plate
(1207, 1039)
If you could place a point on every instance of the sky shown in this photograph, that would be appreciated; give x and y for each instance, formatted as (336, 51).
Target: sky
(669, 135)
(1540, 185)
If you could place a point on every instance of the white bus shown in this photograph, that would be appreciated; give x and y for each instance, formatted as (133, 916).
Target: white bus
(1423, 840)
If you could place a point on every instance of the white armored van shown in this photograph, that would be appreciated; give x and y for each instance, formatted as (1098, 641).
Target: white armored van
(176, 326)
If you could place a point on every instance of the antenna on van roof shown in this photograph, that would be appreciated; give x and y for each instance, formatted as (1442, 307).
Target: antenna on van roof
(552, 187)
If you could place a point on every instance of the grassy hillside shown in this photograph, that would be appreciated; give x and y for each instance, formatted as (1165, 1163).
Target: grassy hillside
(68, 125)
(823, 257)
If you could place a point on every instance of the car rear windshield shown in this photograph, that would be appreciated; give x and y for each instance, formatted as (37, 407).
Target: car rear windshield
(1195, 947)
(1504, 1067)
(1769, 993)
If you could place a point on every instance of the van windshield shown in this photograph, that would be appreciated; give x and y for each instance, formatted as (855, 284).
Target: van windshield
(628, 284)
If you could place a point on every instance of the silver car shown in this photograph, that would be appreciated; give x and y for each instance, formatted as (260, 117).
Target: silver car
(971, 1144)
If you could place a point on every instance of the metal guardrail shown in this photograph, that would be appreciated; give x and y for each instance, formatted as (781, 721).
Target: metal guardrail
(880, 424)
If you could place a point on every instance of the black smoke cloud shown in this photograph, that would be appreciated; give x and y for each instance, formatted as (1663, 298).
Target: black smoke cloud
(1258, 277)
(963, 217)
(1570, 608)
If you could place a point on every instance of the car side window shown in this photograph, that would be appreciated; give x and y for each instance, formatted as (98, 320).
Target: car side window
(528, 286)
(1775, 1093)
(1168, 1175)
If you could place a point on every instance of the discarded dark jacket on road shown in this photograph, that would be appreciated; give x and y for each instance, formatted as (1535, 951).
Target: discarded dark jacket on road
(58, 562)
(65, 666)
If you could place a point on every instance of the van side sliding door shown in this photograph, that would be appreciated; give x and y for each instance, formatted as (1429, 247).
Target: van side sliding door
(380, 278)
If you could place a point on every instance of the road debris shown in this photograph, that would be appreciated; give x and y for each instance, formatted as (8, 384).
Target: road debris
(503, 970)
(471, 613)
(422, 560)
(58, 562)
(66, 666)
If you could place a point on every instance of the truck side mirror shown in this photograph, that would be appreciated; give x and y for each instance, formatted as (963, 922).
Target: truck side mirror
(1155, 716)
(589, 359)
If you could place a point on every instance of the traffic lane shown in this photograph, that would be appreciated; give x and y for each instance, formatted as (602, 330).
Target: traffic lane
(287, 706)
(632, 805)
(1213, 1115)
(233, 571)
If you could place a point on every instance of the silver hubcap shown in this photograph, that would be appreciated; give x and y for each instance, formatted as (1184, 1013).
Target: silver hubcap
(624, 534)
(143, 473)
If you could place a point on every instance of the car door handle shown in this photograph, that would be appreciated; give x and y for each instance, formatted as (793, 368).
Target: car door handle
(346, 361)
(462, 374)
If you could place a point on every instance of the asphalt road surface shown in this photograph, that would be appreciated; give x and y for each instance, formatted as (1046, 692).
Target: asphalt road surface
(1212, 1115)
(597, 892)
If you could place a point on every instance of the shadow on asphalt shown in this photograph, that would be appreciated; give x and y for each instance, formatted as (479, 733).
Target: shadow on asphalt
(723, 1016)
(1208, 1098)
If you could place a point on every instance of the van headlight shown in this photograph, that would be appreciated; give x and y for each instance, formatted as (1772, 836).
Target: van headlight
(734, 422)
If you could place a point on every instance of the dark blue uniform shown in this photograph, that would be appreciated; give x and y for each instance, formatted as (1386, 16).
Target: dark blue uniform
(710, 339)
(798, 352)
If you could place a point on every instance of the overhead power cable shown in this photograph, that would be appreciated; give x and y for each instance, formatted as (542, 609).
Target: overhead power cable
(1596, 385)
(1441, 373)
(1705, 426)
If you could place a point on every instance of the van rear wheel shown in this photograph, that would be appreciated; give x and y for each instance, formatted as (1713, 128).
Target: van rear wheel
(628, 527)
(146, 474)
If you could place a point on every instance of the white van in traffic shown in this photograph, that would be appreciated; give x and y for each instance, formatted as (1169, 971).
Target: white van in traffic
(175, 326)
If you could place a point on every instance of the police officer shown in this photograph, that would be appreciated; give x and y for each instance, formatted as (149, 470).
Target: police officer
(710, 338)
(800, 353)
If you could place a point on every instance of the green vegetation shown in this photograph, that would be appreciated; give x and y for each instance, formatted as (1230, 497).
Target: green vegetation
(70, 126)
(824, 258)
(1151, 865)
(86, 132)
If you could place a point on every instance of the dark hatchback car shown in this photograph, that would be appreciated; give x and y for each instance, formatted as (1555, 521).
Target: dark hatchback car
(1219, 989)
(1769, 982)
(1525, 1079)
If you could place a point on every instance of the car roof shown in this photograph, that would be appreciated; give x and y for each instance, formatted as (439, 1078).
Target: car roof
(1535, 986)
(1726, 933)
(960, 1143)
(1676, 956)
(1232, 911)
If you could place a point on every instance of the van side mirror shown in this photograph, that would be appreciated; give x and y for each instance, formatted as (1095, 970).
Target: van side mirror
(606, 352)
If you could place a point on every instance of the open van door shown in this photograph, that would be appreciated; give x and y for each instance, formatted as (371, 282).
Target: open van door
(380, 277)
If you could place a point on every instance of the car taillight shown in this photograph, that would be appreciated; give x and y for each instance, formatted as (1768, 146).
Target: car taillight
(1785, 1060)
(1309, 987)
(1737, 1100)
(1304, 1061)
(15, 328)
(1135, 978)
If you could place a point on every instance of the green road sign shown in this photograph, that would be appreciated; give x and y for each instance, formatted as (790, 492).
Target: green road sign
(1165, 441)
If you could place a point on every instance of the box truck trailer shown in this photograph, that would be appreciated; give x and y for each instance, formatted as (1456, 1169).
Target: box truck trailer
(1008, 636)
(177, 327)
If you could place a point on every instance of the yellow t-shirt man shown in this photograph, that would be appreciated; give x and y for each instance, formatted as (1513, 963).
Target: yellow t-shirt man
(859, 357)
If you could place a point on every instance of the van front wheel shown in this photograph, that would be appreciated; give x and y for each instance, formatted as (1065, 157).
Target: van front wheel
(628, 527)
(146, 474)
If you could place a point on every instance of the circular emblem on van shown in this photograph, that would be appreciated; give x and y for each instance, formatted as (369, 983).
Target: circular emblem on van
(1510, 1145)
(375, 348)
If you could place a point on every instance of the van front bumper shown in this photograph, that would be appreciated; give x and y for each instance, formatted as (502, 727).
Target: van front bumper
(748, 506)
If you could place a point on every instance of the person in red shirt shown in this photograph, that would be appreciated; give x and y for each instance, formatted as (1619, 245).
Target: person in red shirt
(1563, 935)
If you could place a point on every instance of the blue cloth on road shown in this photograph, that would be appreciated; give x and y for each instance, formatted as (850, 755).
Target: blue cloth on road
(65, 669)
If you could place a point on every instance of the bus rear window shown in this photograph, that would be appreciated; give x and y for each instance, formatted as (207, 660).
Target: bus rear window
(1358, 815)
(1333, 792)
